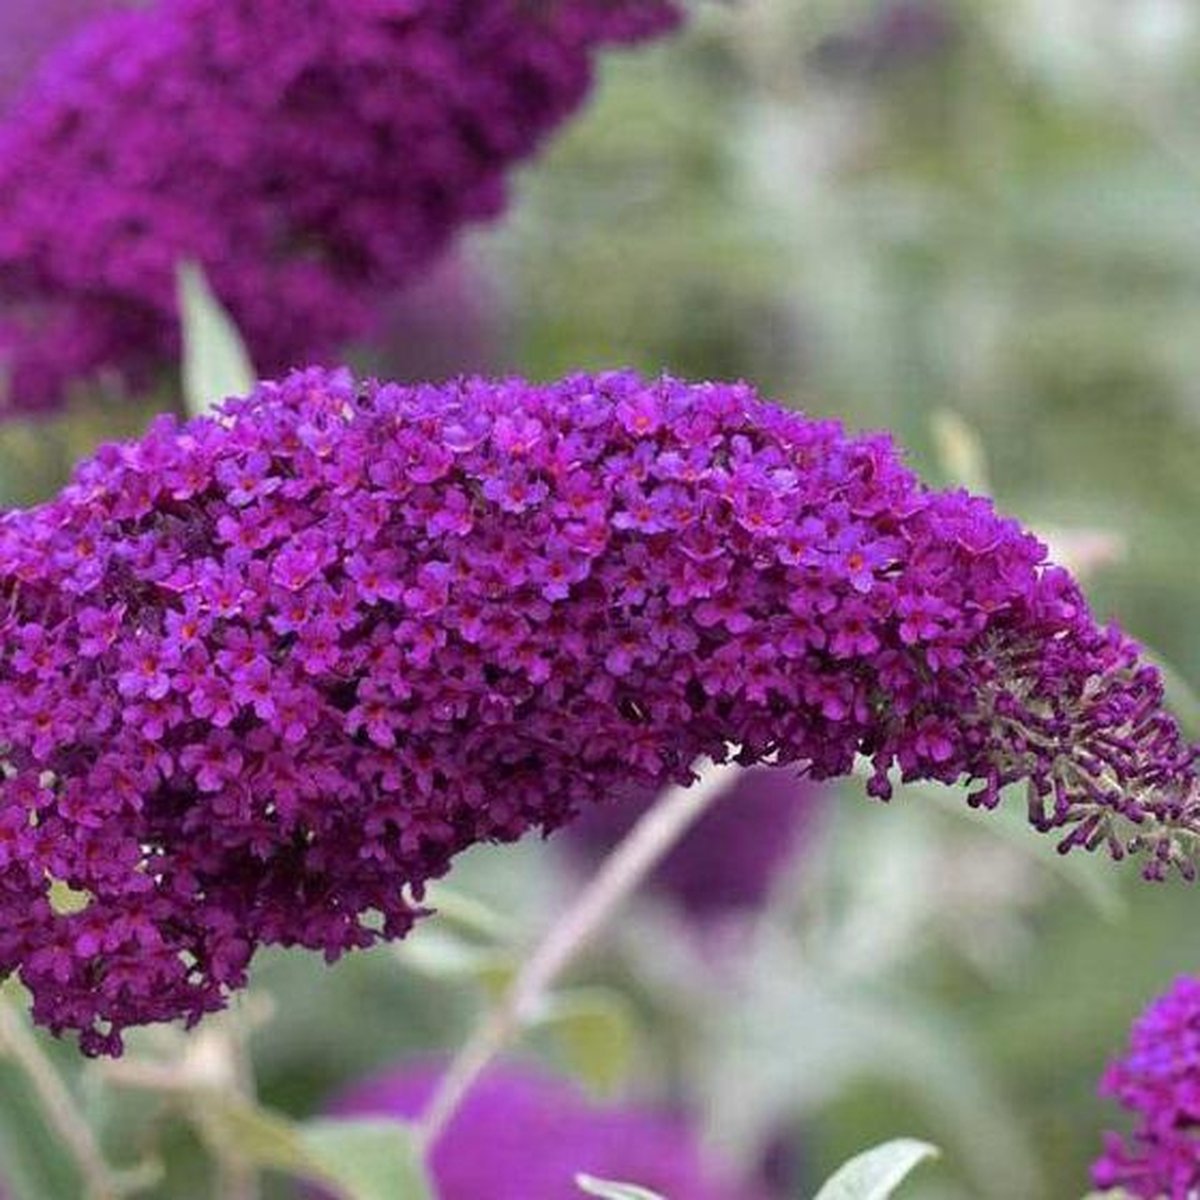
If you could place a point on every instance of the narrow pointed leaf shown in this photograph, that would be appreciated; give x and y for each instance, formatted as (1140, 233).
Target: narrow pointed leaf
(216, 364)
(606, 1189)
(876, 1174)
(443, 955)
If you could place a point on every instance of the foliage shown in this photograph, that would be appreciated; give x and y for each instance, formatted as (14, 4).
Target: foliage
(876, 1174)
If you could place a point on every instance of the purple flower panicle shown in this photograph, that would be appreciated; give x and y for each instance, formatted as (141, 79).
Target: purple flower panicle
(522, 1134)
(264, 675)
(313, 155)
(1159, 1082)
(731, 859)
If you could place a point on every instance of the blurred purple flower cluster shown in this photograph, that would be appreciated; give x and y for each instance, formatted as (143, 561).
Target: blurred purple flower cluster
(730, 860)
(1159, 1081)
(522, 1134)
(31, 29)
(451, 321)
(312, 155)
(264, 675)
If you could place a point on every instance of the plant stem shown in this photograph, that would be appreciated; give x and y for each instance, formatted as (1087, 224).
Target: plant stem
(237, 1178)
(58, 1105)
(646, 844)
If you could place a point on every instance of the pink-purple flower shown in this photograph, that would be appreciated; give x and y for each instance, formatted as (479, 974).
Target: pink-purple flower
(1158, 1082)
(523, 1134)
(312, 155)
(728, 863)
(257, 691)
(30, 30)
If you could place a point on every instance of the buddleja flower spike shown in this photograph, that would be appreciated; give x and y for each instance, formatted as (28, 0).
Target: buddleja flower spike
(264, 675)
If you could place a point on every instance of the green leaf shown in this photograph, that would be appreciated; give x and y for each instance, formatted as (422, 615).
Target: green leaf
(370, 1159)
(607, 1190)
(439, 953)
(959, 449)
(256, 1136)
(216, 364)
(593, 1029)
(360, 1160)
(875, 1174)
(65, 899)
(468, 914)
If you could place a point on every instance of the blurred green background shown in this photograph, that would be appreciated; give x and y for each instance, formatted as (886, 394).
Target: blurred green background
(976, 223)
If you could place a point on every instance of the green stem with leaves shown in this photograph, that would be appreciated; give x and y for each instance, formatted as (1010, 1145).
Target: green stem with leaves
(650, 840)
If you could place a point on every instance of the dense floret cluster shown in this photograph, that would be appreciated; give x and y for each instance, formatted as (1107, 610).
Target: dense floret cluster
(729, 861)
(264, 675)
(522, 1134)
(312, 155)
(1158, 1081)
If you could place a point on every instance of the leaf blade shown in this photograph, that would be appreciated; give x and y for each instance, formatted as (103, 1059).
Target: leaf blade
(875, 1174)
(216, 364)
(369, 1159)
(593, 1030)
(608, 1189)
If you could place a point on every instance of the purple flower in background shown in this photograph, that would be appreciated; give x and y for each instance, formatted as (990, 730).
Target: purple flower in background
(1158, 1081)
(523, 1134)
(30, 29)
(730, 860)
(452, 321)
(313, 155)
(224, 646)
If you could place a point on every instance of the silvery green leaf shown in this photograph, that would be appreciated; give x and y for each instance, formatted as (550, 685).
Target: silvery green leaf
(216, 364)
(876, 1174)
(359, 1160)
(959, 449)
(440, 953)
(369, 1159)
(606, 1189)
(469, 914)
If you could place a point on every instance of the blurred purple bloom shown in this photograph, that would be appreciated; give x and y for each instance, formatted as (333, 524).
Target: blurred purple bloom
(31, 29)
(1158, 1081)
(449, 322)
(523, 1134)
(313, 155)
(257, 692)
(731, 859)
